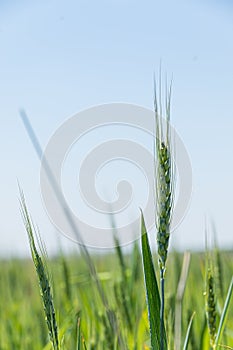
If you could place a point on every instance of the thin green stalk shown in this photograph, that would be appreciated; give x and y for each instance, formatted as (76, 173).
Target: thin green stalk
(162, 284)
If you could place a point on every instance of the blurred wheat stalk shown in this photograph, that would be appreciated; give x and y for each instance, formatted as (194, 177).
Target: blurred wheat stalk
(43, 276)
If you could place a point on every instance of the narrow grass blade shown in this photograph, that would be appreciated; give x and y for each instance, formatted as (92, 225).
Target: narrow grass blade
(204, 336)
(152, 291)
(179, 298)
(224, 314)
(78, 347)
(188, 332)
(84, 343)
(120, 256)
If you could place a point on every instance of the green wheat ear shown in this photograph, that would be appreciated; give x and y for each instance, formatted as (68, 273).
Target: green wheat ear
(164, 190)
(211, 307)
(164, 179)
(210, 296)
(164, 203)
(43, 277)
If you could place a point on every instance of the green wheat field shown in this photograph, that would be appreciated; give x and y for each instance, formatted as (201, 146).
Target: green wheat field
(80, 312)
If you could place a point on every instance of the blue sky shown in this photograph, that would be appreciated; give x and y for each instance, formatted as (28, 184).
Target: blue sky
(58, 58)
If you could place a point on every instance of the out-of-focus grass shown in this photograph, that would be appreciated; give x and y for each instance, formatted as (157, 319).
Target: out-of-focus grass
(22, 324)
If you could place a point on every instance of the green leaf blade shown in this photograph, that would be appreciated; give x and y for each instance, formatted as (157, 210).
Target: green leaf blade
(186, 341)
(224, 314)
(152, 291)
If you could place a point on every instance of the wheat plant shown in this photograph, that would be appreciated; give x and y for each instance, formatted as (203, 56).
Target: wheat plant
(43, 277)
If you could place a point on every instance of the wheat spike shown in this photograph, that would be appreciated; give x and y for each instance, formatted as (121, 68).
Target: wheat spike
(211, 307)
